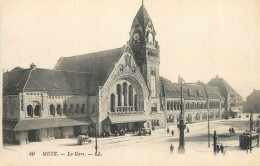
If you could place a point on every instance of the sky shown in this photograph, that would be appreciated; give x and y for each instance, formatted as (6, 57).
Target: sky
(198, 39)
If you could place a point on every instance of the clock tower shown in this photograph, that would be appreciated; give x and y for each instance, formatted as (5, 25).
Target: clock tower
(146, 50)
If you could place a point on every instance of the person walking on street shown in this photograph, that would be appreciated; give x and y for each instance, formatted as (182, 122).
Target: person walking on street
(168, 130)
(171, 149)
(188, 130)
(222, 148)
(172, 133)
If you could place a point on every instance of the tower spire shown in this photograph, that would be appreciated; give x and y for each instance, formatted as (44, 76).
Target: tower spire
(142, 2)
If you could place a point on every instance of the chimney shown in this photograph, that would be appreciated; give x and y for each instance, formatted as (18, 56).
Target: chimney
(33, 66)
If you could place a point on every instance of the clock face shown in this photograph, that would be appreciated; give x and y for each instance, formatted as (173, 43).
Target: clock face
(136, 36)
(150, 37)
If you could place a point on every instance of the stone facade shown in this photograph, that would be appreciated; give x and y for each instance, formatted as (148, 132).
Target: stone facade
(107, 91)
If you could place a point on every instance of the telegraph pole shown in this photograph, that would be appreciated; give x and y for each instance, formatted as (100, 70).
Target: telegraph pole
(181, 126)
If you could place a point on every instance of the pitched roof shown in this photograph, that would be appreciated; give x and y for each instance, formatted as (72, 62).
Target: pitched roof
(190, 90)
(220, 82)
(194, 91)
(99, 64)
(142, 16)
(53, 82)
(14, 81)
(213, 92)
(169, 89)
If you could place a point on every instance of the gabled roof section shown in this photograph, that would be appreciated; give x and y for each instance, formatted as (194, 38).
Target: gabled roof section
(53, 82)
(142, 16)
(99, 64)
(221, 83)
(14, 81)
(169, 89)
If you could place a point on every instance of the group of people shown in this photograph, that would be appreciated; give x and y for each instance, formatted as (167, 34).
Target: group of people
(220, 148)
(231, 130)
(121, 132)
(168, 131)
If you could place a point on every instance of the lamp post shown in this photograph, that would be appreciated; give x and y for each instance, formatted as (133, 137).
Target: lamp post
(181, 126)
(96, 147)
(208, 126)
(251, 129)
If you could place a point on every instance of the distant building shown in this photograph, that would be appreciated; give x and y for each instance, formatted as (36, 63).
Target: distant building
(112, 90)
(233, 101)
(253, 102)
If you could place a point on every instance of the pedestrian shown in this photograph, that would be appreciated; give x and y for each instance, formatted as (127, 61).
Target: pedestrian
(188, 130)
(218, 148)
(233, 131)
(171, 149)
(149, 132)
(229, 130)
(116, 133)
(168, 130)
(172, 133)
(221, 148)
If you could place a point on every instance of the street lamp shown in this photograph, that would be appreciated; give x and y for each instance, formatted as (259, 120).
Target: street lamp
(251, 129)
(208, 126)
(96, 147)
(181, 126)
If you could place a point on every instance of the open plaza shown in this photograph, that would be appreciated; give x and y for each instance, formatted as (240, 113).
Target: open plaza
(148, 150)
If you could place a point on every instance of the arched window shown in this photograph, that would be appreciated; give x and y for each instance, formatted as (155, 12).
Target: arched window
(168, 105)
(197, 117)
(170, 119)
(65, 109)
(135, 104)
(37, 110)
(178, 106)
(71, 109)
(217, 115)
(77, 108)
(205, 116)
(211, 115)
(82, 110)
(29, 110)
(130, 97)
(58, 109)
(171, 105)
(52, 110)
(112, 103)
(118, 90)
(125, 93)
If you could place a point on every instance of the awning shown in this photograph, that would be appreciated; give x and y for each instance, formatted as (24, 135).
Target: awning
(127, 119)
(31, 124)
(9, 124)
(237, 111)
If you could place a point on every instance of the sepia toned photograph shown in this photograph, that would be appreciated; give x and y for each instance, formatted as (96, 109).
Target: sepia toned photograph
(131, 83)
